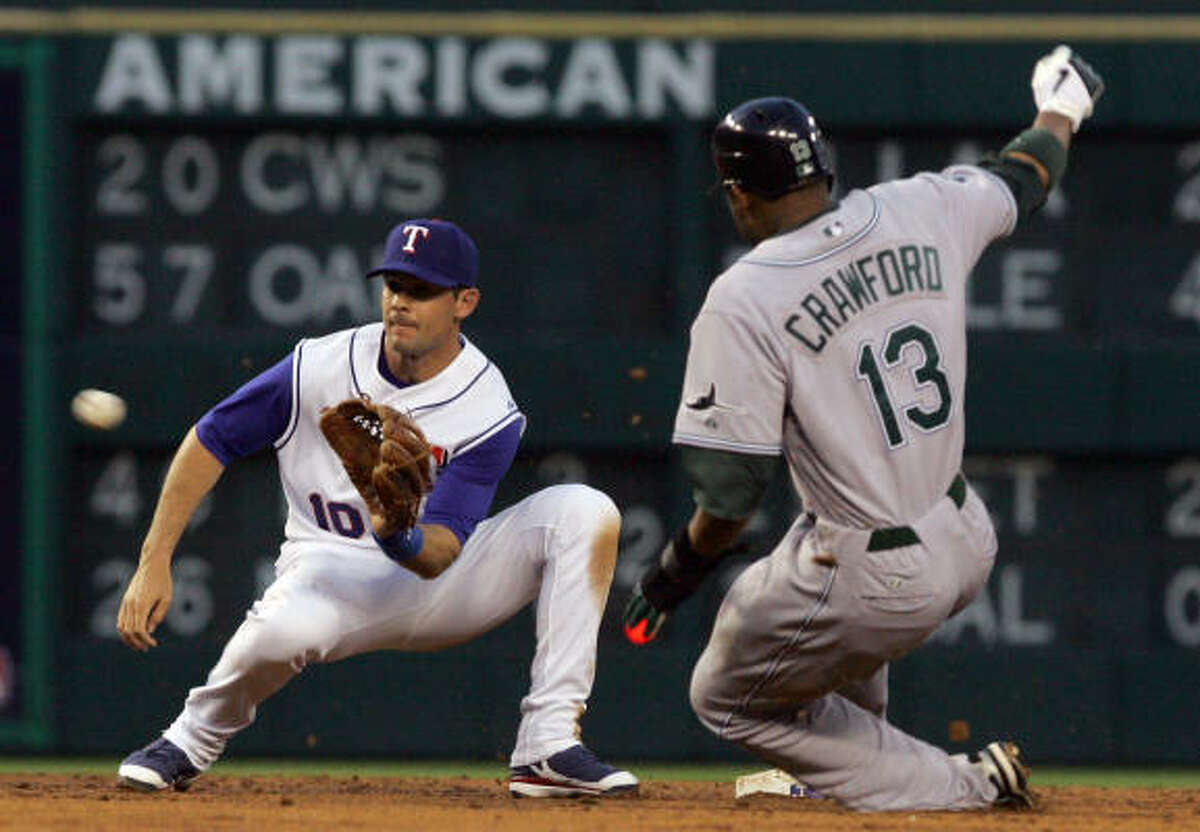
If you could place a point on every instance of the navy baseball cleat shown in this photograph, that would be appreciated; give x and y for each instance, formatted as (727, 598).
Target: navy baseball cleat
(573, 772)
(160, 765)
(1001, 762)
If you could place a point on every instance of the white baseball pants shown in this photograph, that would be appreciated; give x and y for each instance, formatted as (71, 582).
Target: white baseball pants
(558, 545)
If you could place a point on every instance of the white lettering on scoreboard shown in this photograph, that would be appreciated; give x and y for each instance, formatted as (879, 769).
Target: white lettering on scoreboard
(1181, 601)
(279, 173)
(1027, 278)
(998, 615)
(287, 282)
(324, 287)
(325, 75)
(331, 174)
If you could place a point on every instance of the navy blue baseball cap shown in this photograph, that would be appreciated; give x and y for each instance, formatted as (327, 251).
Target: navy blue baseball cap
(436, 251)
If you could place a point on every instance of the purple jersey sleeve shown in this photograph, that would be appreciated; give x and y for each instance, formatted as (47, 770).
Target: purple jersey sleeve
(252, 418)
(464, 489)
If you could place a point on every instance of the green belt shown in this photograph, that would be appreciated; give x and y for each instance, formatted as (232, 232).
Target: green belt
(897, 536)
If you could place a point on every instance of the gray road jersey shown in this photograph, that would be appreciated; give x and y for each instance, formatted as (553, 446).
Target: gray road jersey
(842, 345)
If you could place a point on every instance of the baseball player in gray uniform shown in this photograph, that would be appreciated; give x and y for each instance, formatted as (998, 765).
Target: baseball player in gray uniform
(839, 342)
(341, 590)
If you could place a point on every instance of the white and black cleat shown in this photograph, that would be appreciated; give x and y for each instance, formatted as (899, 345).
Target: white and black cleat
(573, 772)
(160, 765)
(1001, 762)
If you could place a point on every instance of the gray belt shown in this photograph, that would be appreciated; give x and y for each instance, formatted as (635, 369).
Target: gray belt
(897, 536)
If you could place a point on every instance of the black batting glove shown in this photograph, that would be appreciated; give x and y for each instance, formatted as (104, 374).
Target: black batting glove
(679, 572)
(642, 621)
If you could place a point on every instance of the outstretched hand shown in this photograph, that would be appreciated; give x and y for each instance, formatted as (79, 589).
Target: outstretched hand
(642, 620)
(144, 605)
(677, 573)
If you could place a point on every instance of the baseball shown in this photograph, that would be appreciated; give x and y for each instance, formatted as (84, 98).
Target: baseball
(98, 409)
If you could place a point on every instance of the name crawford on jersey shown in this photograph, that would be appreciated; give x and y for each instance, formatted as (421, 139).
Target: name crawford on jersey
(860, 284)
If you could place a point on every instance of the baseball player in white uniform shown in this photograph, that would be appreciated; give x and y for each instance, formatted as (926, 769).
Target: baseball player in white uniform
(839, 342)
(339, 590)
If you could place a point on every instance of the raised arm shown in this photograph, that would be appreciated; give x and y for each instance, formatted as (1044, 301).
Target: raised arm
(1065, 88)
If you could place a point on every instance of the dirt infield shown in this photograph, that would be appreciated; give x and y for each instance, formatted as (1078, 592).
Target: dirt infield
(92, 802)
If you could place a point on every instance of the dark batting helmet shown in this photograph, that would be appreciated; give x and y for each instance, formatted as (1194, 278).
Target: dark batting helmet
(769, 146)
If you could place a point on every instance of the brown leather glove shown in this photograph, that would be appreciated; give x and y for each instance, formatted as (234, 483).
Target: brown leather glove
(386, 456)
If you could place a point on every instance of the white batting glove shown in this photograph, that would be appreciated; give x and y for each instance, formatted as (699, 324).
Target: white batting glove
(1064, 83)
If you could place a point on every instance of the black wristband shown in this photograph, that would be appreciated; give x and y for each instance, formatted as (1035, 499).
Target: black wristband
(681, 559)
(1044, 146)
(678, 573)
(1022, 179)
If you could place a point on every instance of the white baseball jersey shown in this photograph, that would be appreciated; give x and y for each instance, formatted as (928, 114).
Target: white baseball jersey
(336, 594)
(458, 409)
(842, 345)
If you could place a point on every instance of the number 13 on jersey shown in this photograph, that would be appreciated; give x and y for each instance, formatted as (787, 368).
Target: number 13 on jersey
(927, 373)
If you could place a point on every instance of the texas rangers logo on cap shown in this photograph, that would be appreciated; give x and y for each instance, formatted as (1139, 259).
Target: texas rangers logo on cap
(436, 251)
(413, 233)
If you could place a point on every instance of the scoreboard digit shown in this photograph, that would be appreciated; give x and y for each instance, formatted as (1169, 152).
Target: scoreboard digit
(271, 227)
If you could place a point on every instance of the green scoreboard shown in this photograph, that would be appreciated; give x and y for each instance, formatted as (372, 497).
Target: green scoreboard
(220, 192)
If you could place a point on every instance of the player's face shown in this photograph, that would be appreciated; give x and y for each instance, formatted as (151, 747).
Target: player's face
(422, 319)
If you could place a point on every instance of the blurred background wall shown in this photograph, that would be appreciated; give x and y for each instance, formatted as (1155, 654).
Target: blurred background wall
(186, 191)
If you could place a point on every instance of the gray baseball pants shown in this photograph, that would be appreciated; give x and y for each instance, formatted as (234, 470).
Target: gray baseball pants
(796, 668)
